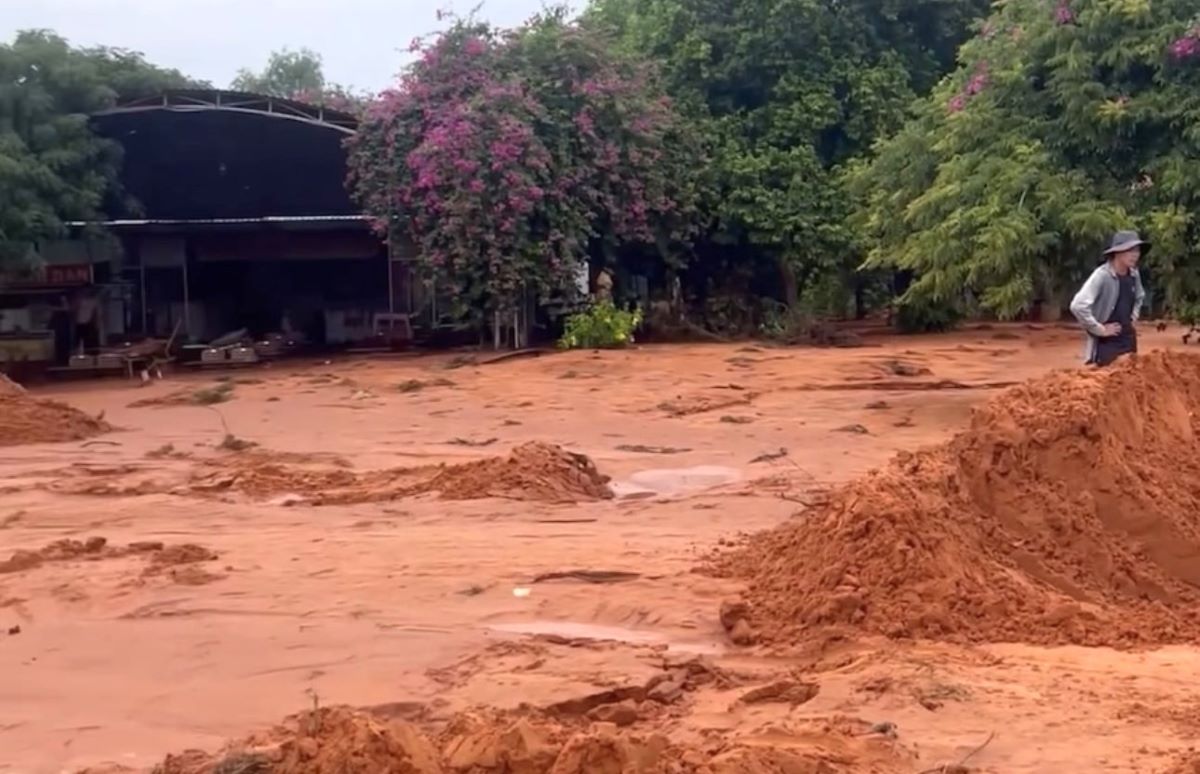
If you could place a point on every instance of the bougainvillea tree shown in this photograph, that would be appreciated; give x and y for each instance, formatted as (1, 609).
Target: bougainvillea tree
(510, 157)
(1066, 120)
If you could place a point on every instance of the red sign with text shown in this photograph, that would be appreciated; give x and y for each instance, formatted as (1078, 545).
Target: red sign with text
(56, 276)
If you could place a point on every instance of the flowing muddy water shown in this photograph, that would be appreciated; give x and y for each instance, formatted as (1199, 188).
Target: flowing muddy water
(408, 600)
(583, 631)
(672, 482)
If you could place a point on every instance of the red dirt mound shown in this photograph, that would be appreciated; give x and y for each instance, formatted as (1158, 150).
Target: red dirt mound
(1068, 512)
(161, 557)
(25, 420)
(9, 388)
(340, 740)
(532, 471)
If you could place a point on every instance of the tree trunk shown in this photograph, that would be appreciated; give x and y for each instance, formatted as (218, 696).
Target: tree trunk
(787, 276)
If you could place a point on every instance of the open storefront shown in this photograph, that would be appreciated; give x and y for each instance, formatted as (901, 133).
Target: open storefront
(73, 301)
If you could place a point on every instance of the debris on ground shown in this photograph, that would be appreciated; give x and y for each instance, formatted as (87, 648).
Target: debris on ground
(688, 405)
(793, 692)
(220, 392)
(167, 451)
(472, 444)
(902, 368)
(232, 443)
(637, 448)
(1065, 513)
(27, 420)
(589, 576)
(416, 385)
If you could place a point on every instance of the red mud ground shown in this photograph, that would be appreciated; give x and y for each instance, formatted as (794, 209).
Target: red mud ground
(418, 608)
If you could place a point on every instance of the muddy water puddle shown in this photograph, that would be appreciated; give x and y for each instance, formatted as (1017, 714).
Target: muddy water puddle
(675, 481)
(582, 631)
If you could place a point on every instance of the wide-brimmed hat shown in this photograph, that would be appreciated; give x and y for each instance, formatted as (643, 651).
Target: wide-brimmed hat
(1126, 240)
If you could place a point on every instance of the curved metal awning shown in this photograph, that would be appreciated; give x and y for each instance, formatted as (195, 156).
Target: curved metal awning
(207, 155)
(195, 100)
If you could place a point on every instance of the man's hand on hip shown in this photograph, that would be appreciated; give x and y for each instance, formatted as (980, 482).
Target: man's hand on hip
(1110, 330)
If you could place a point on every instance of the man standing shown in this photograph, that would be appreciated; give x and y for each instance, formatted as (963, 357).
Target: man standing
(1108, 304)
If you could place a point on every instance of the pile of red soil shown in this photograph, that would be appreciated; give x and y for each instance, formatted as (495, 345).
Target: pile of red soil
(9, 388)
(1068, 512)
(533, 471)
(162, 558)
(340, 740)
(25, 420)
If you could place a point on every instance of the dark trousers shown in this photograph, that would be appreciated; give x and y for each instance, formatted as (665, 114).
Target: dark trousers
(1110, 348)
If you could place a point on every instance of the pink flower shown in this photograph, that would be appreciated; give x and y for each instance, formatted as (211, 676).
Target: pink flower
(1063, 13)
(1188, 46)
(957, 103)
(976, 84)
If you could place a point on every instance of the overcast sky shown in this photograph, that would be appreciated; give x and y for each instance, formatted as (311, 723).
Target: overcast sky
(363, 42)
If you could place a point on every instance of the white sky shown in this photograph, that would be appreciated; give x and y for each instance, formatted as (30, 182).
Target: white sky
(363, 42)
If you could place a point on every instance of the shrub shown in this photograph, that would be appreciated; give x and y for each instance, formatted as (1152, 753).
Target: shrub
(602, 326)
(918, 317)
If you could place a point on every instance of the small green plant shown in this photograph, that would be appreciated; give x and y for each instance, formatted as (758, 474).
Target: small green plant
(602, 326)
(1188, 314)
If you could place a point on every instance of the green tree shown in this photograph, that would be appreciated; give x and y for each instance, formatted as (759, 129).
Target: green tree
(299, 75)
(287, 73)
(788, 92)
(52, 167)
(1064, 122)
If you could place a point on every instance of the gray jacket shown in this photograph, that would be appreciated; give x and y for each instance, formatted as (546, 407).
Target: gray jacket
(1096, 300)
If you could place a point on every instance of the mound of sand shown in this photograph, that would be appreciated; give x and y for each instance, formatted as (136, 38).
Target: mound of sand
(340, 740)
(162, 558)
(1068, 512)
(532, 471)
(24, 420)
(9, 388)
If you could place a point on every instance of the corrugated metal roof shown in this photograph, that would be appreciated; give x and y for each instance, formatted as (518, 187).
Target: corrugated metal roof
(268, 219)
